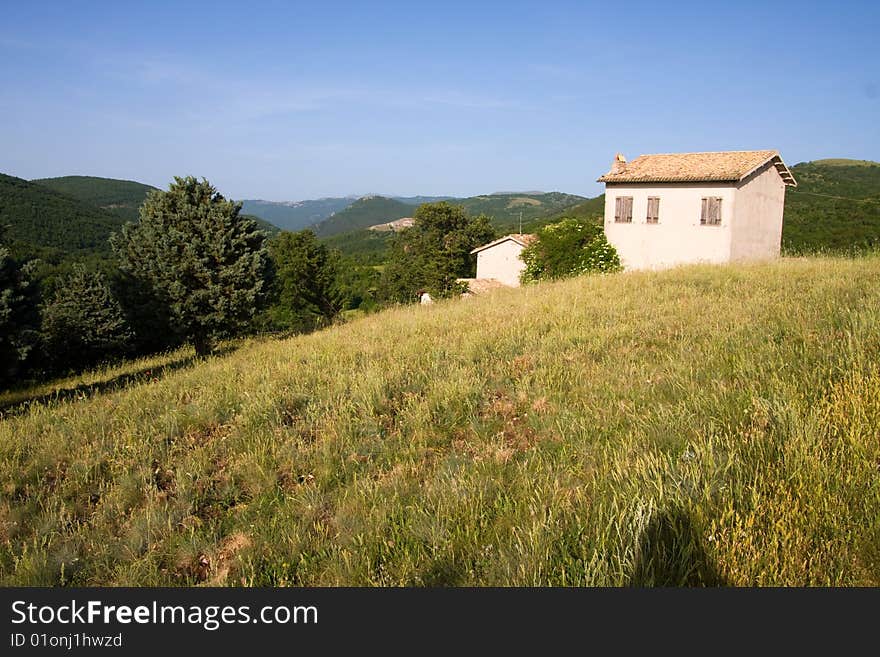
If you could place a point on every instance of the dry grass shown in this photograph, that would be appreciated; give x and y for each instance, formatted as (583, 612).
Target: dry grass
(704, 425)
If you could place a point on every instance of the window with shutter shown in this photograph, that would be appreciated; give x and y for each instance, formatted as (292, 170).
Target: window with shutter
(653, 216)
(710, 214)
(623, 209)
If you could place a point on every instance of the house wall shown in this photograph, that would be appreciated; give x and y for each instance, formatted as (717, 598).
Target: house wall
(501, 262)
(757, 224)
(678, 237)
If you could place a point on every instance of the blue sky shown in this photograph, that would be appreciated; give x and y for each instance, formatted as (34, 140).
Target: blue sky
(286, 101)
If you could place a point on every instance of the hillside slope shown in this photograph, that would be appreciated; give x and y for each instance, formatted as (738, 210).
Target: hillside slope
(363, 213)
(704, 425)
(592, 208)
(122, 197)
(836, 206)
(42, 217)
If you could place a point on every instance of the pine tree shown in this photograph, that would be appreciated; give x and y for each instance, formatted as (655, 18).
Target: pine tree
(83, 323)
(19, 318)
(206, 261)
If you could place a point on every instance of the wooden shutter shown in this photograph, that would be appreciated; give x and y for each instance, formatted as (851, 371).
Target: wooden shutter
(653, 214)
(623, 209)
(715, 211)
(710, 215)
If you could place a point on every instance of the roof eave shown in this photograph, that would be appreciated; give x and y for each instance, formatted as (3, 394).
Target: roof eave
(500, 240)
(682, 181)
(779, 165)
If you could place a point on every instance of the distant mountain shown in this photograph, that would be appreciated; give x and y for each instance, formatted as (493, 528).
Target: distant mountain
(836, 206)
(418, 200)
(296, 215)
(533, 193)
(506, 209)
(121, 197)
(270, 229)
(363, 213)
(46, 221)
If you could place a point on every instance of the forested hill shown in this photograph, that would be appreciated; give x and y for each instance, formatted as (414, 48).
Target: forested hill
(363, 213)
(122, 197)
(506, 209)
(836, 206)
(42, 218)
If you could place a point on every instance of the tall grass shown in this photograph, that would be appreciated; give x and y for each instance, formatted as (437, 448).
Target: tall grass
(706, 425)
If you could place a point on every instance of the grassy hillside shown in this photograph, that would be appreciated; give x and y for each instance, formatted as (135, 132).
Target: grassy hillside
(46, 219)
(295, 215)
(363, 213)
(122, 197)
(700, 425)
(836, 206)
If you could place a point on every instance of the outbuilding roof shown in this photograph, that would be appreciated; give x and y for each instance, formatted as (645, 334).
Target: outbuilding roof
(523, 239)
(720, 166)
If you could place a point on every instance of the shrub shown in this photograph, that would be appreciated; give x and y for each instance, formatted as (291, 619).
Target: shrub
(568, 248)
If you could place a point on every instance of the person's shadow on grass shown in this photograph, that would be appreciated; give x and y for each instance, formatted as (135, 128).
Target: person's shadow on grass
(671, 553)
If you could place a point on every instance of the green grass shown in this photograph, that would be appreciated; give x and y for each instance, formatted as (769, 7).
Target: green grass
(714, 425)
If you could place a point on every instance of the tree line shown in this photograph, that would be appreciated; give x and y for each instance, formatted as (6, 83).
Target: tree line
(194, 270)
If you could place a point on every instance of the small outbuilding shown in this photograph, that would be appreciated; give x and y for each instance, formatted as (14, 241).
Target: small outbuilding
(670, 209)
(500, 260)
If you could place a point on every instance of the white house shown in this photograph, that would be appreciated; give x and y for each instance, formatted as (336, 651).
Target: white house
(500, 261)
(665, 210)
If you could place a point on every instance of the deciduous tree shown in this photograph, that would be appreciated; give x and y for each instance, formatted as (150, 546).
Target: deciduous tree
(434, 252)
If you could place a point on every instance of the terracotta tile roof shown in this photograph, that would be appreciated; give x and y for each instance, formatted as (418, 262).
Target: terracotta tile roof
(523, 239)
(723, 166)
